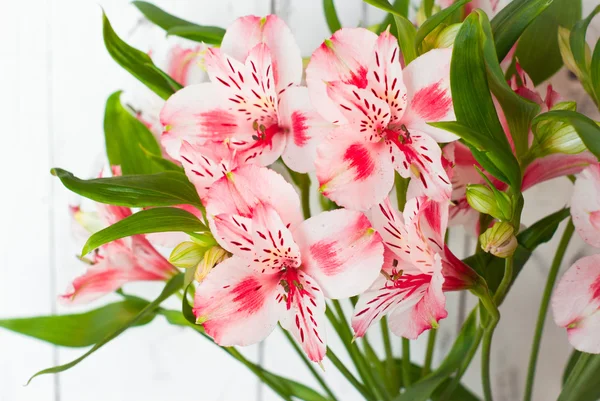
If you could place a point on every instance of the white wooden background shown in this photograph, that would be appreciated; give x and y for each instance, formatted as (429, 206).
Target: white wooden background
(55, 76)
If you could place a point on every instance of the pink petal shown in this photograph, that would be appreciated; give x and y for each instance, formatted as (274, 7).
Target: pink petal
(204, 164)
(585, 205)
(305, 315)
(556, 165)
(390, 225)
(241, 190)
(576, 304)
(274, 246)
(341, 251)
(352, 173)
(110, 214)
(234, 233)
(427, 80)
(425, 314)
(150, 261)
(422, 161)
(247, 32)
(385, 75)
(344, 57)
(97, 281)
(306, 129)
(199, 113)
(182, 62)
(463, 169)
(237, 305)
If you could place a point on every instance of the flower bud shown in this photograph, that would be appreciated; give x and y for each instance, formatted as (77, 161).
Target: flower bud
(485, 200)
(187, 255)
(445, 39)
(556, 136)
(564, 45)
(205, 240)
(212, 257)
(499, 240)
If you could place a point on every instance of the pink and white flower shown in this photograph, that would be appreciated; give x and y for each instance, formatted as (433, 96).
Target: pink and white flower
(253, 102)
(418, 268)
(356, 81)
(576, 304)
(585, 205)
(490, 7)
(118, 262)
(281, 268)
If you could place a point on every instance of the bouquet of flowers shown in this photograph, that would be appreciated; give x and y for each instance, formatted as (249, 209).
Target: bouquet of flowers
(405, 127)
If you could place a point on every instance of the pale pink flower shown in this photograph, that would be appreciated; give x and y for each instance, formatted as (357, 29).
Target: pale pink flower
(253, 102)
(576, 304)
(490, 7)
(418, 267)
(356, 81)
(118, 262)
(282, 268)
(585, 205)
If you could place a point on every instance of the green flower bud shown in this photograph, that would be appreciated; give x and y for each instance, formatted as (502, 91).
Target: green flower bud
(205, 240)
(212, 257)
(555, 136)
(187, 255)
(445, 39)
(499, 240)
(485, 200)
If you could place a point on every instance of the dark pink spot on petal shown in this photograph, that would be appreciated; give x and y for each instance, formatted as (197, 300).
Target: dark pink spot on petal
(299, 128)
(432, 102)
(248, 299)
(360, 159)
(324, 254)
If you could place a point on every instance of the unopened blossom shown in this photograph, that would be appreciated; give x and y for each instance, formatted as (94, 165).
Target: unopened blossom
(417, 269)
(356, 81)
(118, 262)
(282, 268)
(253, 103)
(576, 304)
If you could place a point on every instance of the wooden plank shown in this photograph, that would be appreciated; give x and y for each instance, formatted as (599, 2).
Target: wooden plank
(25, 249)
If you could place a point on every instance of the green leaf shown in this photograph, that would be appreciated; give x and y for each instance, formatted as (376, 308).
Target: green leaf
(512, 20)
(578, 43)
(208, 34)
(401, 6)
(595, 70)
(82, 329)
(331, 16)
(129, 143)
(473, 104)
(162, 189)
(137, 63)
(583, 387)
(587, 129)
(157, 220)
(171, 287)
(434, 21)
(294, 388)
(518, 111)
(570, 365)
(424, 388)
(541, 58)
(405, 29)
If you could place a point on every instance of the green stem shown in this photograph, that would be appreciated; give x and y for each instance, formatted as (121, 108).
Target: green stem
(539, 327)
(392, 370)
(309, 365)
(305, 196)
(406, 362)
(401, 188)
(348, 375)
(380, 377)
(506, 281)
(429, 352)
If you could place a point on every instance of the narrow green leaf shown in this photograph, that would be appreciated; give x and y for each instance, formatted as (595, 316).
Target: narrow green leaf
(137, 62)
(434, 21)
(82, 329)
(595, 71)
(298, 390)
(162, 189)
(578, 43)
(401, 6)
(541, 58)
(331, 16)
(587, 129)
(583, 387)
(512, 20)
(208, 34)
(162, 219)
(149, 310)
(128, 141)
(424, 388)
(518, 111)
(406, 31)
(570, 365)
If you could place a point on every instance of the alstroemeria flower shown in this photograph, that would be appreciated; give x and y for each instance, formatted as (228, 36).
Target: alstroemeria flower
(585, 205)
(418, 267)
(118, 262)
(282, 268)
(356, 80)
(490, 7)
(252, 103)
(538, 171)
(576, 304)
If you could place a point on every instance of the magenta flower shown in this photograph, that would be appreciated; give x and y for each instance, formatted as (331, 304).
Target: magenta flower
(356, 81)
(282, 268)
(253, 103)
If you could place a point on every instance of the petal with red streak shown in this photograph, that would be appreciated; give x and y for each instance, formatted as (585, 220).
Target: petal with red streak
(341, 251)
(556, 165)
(352, 173)
(237, 305)
(234, 233)
(149, 260)
(576, 304)
(585, 205)
(427, 80)
(390, 225)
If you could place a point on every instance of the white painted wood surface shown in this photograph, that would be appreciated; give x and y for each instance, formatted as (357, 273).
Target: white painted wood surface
(55, 76)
